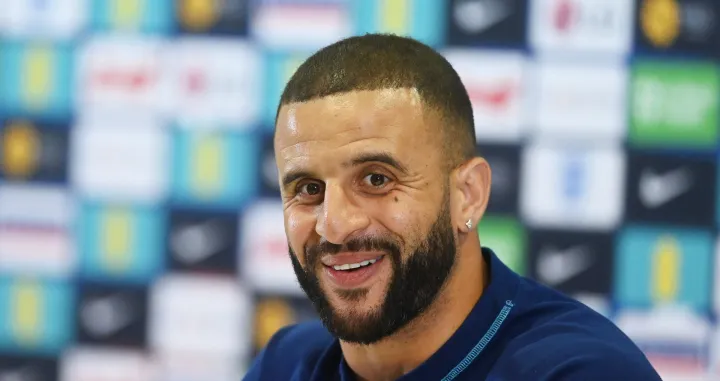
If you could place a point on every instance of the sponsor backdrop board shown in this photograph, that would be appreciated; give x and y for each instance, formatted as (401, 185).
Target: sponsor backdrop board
(141, 231)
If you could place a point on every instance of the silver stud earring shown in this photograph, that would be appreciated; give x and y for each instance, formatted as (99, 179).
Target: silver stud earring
(468, 224)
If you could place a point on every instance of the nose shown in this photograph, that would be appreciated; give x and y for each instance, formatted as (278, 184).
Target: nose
(339, 216)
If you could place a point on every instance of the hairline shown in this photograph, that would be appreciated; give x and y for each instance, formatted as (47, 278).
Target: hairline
(428, 109)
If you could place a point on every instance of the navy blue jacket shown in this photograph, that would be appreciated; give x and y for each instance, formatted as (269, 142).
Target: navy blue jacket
(519, 330)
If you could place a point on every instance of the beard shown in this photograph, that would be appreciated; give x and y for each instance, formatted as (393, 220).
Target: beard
(413, 287)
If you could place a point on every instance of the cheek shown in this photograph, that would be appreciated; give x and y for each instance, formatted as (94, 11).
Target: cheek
(401, 217)
(405, 221)
(406, 216)
(299, 228)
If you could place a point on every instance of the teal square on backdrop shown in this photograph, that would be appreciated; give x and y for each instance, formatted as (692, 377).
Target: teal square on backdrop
(121, 242)
(214, 168)
(36, 79)
(656, 265)
(143, 16)
(279, 67)
(423, 20)
(36, 315)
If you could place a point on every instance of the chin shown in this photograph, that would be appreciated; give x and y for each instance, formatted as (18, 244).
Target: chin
(348, 310)
(357, 300)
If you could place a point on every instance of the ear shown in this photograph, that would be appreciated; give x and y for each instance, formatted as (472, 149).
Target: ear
(472, 184)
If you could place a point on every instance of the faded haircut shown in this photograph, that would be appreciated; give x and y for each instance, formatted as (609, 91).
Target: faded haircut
(385, 61)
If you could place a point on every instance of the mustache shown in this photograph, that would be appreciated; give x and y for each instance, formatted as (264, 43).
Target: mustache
(313, 253)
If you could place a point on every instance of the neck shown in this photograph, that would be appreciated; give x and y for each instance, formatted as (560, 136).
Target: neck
(407, 349)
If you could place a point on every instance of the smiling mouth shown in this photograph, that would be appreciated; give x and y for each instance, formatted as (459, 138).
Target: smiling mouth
(354, 275)
(354, 266)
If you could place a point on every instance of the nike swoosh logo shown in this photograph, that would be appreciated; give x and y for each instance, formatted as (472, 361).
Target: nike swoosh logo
(105, 316)
(656, 189)
(25, 373)
(195, 243)
(475, 16)
(558, 266)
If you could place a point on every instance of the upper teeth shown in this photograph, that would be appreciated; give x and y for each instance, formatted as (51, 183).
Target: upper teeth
(350, 266)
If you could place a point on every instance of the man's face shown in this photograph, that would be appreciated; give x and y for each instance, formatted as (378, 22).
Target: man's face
(366, 207)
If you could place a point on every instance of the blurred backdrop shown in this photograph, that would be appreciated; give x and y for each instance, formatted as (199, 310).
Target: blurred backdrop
(141, 233)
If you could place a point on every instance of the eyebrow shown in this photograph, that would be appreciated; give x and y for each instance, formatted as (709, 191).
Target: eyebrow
(381, 157)
(367, 157)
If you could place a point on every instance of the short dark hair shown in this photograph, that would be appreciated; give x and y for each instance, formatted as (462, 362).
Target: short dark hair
(386, 61)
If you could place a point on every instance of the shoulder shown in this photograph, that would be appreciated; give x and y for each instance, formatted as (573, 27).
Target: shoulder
(295, 348)
(578, 344)
(583, 357)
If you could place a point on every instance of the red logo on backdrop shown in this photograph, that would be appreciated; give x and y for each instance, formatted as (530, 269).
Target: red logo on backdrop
(274, 248)
(497, 97)
(564, 12)
(199, 82)
(196, 81)
(125, 80)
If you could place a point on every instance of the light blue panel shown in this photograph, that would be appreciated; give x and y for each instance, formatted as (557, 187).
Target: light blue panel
(279, 67)
(214, 168)
(36, 315)
(423, 20)
(144, 16)
(36, 79)
(121, 243)
(655, 265)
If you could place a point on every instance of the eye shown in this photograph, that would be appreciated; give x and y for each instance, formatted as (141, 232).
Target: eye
(310, 189)
(376, 180)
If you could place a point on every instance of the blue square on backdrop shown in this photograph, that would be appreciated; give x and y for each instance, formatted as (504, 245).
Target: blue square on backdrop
(121, 243)
(36, 315)
(422, 20)
(36, 79)
(143, 16)
(280, 66)
(214, 168)
(657, 265)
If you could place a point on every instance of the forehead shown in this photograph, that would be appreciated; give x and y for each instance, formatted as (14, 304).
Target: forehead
(392, 121)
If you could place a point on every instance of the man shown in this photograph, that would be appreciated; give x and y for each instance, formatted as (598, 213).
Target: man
(381, 189)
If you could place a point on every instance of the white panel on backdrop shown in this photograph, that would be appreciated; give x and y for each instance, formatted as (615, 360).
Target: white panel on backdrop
(37, 250)
(674, 338)
(57, 19)
(583, 26)
(580, 101)
(36, 230)
(495, 82)
(100, 364)
(716, 293)
(213, 80)
(198, 366)
(36, 205)
(123, 159)
(119, 73)
(206, 314)
(714, 356)
(292, 24)
(264, 256)
(573, 187)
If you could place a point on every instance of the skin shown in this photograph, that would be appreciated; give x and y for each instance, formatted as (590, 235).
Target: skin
(318, 141)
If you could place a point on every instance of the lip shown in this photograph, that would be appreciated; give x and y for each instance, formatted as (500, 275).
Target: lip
(355, 278)
(349, 258)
